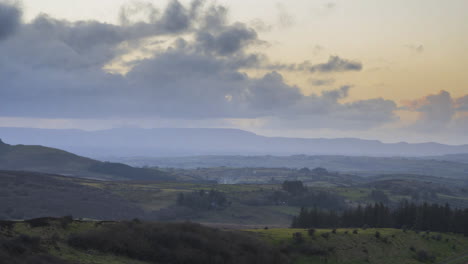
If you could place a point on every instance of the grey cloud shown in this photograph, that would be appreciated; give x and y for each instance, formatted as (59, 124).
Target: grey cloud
(260, 25)
(438, 111)
(175, 18)
(230, 40)
(461, 103)
(214, 18)
(10, 17)
(336, 64)
(321, 82)
(61, 75)
(326, 111)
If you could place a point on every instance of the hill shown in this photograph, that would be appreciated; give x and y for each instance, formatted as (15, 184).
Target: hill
(50, 160)
(62, 240)
(453, 157)
(168, 142)
(25, 195)
(365, 246)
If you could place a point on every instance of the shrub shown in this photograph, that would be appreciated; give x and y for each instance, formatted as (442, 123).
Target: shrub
(39, 222)
(377, 234)
(325, 235)
(311, 232)
(424, 256)
(298, 238)
(65, 221)
(355, 231)
(176, 243)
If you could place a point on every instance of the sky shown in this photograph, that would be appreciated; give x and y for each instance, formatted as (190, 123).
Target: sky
(374, 69)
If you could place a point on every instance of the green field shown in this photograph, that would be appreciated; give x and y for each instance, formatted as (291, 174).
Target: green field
(393, 246)
(324, 246)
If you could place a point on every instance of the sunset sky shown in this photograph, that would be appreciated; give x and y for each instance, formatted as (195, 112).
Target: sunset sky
(374, 69)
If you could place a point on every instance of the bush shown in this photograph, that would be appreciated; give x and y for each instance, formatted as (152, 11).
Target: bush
(355, 231)
(176, 243)
(20, 245)
(325, 235)
(298, 238)
(424, 256)
(311, 232)
(39, 222)
(65, 221)
(377, 234)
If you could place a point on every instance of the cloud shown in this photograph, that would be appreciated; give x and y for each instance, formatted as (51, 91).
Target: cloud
(326, 111)
(438, 112)
(334, 64)
(461, 104)
(10, 17)
(285, 19)
(260, 25)
(322, 82)
(435, 109)
(229, 40)
(415, 48)
(197, 74)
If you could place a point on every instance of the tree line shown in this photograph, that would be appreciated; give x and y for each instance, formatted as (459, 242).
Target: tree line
(430, 217)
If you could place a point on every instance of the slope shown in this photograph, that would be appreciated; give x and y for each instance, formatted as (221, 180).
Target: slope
(50, 160)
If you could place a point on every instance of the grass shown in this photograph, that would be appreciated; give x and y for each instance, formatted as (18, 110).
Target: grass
(59, 248)
(393, 246)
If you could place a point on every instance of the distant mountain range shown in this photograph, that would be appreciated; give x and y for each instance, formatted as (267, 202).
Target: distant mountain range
(167, 142)
(50, 160)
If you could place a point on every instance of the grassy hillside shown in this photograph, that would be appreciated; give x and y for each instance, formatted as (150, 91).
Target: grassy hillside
(133, 242)
(65, 241)
(364, 246)
(50, 160)
(25, 195)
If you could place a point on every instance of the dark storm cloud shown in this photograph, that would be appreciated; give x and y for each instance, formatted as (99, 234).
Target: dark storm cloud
(10, 17)
(198, 75)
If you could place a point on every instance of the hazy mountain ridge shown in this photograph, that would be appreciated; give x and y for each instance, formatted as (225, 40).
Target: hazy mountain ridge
(51, 160)
(167, 142)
